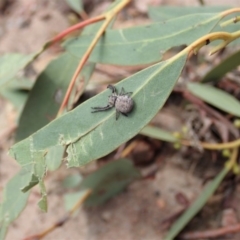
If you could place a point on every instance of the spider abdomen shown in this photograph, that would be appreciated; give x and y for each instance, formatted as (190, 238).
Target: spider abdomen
(124, 104)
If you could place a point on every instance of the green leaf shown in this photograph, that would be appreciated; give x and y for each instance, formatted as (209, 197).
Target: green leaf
(42, 203)
(16, 91)
(19, 84)
(196, 206)
(109, 180)
(71, 199)
(163, 13)
(76, 5)
(158, 133)
(34, 181)
(17, 97)
(33, 162)
(11, 64)
(47, 94)
(144, 44)
(54, 157)
(105, 183)
(90, 136)
(228, 64)
(151, 87)
(72, 181)
(14, 200)
(216, 97)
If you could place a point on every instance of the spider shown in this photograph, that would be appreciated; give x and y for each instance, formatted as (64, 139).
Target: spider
(123, 102)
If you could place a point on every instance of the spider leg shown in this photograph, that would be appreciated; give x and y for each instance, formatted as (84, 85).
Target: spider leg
(124, 93)
(124, 114)
(114, 90)
(117, 114)
(98, 109)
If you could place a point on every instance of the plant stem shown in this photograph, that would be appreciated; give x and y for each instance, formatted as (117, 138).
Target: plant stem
(108, 18)
(74, 28)
(214, 146)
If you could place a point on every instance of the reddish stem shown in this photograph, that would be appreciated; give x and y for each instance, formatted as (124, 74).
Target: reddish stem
(74, 28)
(71, 85)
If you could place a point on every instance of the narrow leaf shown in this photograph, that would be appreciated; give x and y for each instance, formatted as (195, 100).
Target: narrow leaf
(109, 180)
(144, 44)
(151, 87)
(72, 181)
(216, 97)
(196, 206)
(16, 91)
(14, 201)
(228, 64)
(71, 199)
(105, 183)
(158, 133)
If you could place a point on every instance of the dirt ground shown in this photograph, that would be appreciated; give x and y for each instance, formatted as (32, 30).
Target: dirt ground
(136, 213)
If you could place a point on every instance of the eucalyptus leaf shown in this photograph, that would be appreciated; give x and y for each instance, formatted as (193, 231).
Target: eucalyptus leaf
(196, 206)
(158, 133)
(89, 136)
(14, 200)
(71, 199)
(109, 180)
(164, 13)
(72, 181)
(228, 64)
(21, 83)
(216, 97)
(16, 91)
(106, 182)
(144, 44)
(151, 88)
(17, 97)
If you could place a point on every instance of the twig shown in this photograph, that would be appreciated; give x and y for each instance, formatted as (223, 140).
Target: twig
(62, 221)
(75, 27)
(211, 233)
(211, 111)
(214, 146)
(129, 148)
